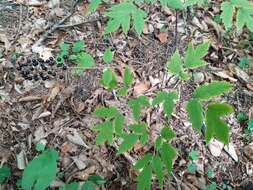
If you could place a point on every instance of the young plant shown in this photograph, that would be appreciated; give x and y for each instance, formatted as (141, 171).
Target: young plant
(193, 59)
(244, 14)
(121, 15)
(41, 171)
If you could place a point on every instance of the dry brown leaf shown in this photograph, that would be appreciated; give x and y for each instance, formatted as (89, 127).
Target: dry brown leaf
(53, 93)
(225, 75)
(29, 98)
(4, 39)
(162, 36)
(141, 87)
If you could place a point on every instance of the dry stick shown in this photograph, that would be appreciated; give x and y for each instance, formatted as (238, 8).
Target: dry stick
(176, 30)
(56, 26)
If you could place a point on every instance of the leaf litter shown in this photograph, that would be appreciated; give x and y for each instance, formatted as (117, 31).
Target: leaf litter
(60, 112)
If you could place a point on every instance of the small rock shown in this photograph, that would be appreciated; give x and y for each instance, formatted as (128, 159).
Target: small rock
(198, 77)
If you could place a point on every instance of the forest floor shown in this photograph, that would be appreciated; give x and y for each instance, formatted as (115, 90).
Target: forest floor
(57, 112)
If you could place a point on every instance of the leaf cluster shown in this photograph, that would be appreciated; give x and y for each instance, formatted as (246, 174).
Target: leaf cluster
(193, 59)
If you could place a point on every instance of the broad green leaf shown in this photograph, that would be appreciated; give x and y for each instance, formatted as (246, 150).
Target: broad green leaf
(213, 89)
(175, 4)
(106, 130)
(129, 140)
(194, 56)
(138, 20)
(112, 25)
(137, 104)
(40, 147)
(85, 61)
(88, 185)
(175, 65)
(144, 138)
(143, 161)
(122, 91)
(192, 167)
(158, 143)
(227, 14)
(97, 179)
(144, 179)
(108, 56)
(105, 112)
(121, 14)
(157, 166)
(109, 79)
(138, 128)
(244, 17)
(215, 126)
(5, 172)
(167, 133)
(195, 113)
(168, 100)
(41, 171)
(194, 155)
(168, 154)
(71, 186)
(193, 2)
(94, 5)
(78, 46)
(119, 124)
(64, 47)
(128, 77)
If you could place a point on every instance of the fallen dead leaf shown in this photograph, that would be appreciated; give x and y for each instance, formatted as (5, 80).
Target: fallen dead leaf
(29, 98)
(162, 36)
(4, 39)
(231, 151)
(215, 147)
(44, 114)
(141, 87)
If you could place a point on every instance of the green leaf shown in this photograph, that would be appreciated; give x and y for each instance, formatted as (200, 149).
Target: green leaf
(212, 186)
(108, 56)
(167, 133)
(138, 20)
(193, 57)
(41, 171)
(71, 186)
(157, 166)
(175, 65)
(158, 143)
(139, 129)
(5, 173)
(168, 154)
(194, 155)
(227, 14)
(64, 47)
(78, 46)
(121, 14)
(144, 179)
(94, 5)
(128, 77)
(210, 90)
(143, 161)
(175, 4)
(85, 61)
(244, 17)
(129, 140)
(106, 113)
(168, 100)
(242, 116)
(210, 173)
(192, 168)
(40, 147)
(215, 127)
(137, 104)
(195, 113)
(88, 185)
(109, 79)
(119, 124)
(144, 138)
(106, 130)
(250, 125)
(122, 91)
(97, 179)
